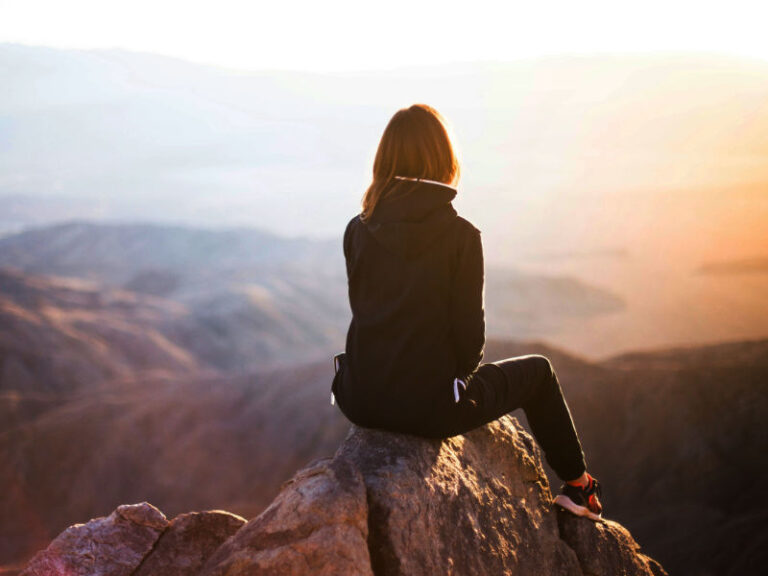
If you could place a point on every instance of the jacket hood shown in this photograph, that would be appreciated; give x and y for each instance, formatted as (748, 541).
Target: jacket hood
(411, 215)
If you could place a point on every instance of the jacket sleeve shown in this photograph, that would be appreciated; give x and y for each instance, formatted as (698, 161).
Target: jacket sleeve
(467, 306)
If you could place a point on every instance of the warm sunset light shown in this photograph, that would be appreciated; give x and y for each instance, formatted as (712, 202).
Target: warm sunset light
(402, 287)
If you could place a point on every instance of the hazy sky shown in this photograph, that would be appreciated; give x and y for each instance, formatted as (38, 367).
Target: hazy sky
(356, 35)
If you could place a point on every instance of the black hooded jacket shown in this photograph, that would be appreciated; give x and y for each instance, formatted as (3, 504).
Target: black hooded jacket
(415, 277)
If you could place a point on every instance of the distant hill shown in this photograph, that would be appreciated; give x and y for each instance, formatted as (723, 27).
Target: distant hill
(58, 335)
(256, 297)
(250, 297)
(117, 253)
(678, 436)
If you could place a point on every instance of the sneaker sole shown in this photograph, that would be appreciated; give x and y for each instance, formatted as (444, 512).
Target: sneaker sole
(563, 501)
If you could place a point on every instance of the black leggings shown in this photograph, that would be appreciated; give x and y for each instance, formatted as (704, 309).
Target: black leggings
(496, 388)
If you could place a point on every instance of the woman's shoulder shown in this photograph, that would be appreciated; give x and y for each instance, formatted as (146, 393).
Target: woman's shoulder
(353, 223)
(466, 227)
(355, 220)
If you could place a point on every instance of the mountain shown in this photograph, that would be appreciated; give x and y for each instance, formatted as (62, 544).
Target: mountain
(254, 297)
(385, 504)
(58, 334)
(117, 253)
(247, 297)
(676, 434)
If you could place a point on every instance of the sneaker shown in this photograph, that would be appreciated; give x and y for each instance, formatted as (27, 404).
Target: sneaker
(581, 501)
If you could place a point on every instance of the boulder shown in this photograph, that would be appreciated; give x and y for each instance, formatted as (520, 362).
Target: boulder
(602, 546)
(111, 546)
(394, 504)
(187, 543)
(317, 525)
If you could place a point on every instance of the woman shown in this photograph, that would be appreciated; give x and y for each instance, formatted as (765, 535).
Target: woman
(415, 344)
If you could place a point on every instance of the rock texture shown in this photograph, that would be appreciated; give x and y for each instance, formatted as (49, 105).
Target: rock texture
(317, 525)
(188, 542)
(604, 546)
(136, 540)
(115, 545)
(385, 504)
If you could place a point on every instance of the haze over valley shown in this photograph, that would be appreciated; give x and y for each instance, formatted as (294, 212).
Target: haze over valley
(616, 172)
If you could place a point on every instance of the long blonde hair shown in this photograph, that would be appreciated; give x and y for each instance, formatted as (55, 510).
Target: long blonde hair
(415, 144)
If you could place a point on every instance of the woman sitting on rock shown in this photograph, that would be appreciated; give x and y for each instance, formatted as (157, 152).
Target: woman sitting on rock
(415, 344)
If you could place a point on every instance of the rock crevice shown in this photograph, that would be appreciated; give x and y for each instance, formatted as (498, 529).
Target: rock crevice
(152, 548)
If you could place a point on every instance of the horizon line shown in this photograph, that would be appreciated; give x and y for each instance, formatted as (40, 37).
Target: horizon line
(465, 65)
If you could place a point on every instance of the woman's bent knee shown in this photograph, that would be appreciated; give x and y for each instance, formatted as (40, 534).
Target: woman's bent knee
(544, 367)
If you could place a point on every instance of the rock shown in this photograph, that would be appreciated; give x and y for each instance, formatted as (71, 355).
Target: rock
(317, 525)
(602, 546)
(187, 543)
(474, 504)
(385, 504)
(111, 546)
(393, 504)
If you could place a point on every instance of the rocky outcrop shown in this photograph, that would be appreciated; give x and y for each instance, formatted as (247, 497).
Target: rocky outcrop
(385, 504)
(136, 540)
(317, 525)
(115, 545)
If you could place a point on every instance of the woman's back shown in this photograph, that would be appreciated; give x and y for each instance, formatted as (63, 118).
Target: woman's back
(415, 273)
(416, 339)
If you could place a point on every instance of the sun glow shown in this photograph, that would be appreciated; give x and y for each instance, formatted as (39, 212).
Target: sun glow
(351, 35)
